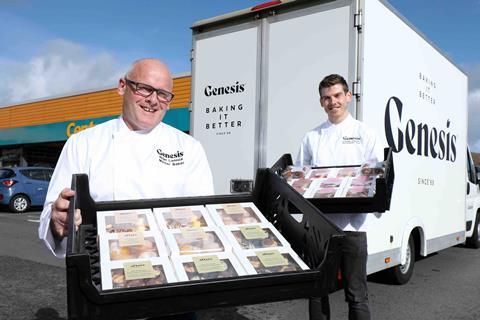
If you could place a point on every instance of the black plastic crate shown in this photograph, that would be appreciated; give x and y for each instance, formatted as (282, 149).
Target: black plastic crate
(315, 240)
(380, 202)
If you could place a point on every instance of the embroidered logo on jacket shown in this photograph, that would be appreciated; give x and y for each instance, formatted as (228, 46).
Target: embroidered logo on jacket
(170, 159)
(351, 140)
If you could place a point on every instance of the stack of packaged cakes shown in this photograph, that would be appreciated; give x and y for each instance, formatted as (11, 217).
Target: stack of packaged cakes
(141, 247)
(256, 243)
(199, 249)
(132, 250)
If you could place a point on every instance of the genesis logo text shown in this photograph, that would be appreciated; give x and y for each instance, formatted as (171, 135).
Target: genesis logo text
(421, 139)
(170, 159)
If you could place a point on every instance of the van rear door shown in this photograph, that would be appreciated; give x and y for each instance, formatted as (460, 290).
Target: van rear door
(255, 81)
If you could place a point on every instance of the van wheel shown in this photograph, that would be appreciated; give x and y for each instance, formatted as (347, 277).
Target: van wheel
(401, 274)
(474, 240)
(19, 203)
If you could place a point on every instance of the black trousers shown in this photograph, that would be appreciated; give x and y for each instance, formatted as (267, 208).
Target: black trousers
(354, 279)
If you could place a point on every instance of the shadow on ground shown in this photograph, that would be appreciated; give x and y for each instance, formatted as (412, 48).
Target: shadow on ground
(47, 314)
(31, 290)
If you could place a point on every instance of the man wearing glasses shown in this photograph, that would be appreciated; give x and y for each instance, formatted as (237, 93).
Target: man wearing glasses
(135, 156)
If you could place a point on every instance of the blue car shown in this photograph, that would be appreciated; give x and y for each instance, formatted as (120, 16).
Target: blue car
(23, 187)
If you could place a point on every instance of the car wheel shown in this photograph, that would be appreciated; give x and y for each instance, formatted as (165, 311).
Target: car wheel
(19, 203)
(474, 240)
(401, 274)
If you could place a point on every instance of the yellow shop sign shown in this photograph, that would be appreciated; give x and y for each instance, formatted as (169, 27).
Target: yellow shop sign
(72, 127)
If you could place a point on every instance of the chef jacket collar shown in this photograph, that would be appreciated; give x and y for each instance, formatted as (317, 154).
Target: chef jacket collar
(122, 128)
(338, 126)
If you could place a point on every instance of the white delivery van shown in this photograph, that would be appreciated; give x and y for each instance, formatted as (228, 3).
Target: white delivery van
(255, 76)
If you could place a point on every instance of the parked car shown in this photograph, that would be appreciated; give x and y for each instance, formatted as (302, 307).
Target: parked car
(23, 187)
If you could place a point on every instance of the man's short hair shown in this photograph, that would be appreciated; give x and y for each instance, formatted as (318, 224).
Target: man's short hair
(332, 80)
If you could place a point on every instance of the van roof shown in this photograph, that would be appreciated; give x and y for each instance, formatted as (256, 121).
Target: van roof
(243, 13)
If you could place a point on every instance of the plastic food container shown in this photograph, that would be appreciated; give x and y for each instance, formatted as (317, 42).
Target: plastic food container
(119, 221)
(230, 214)
(127, 246)
(274, 260)
(255, 236)
(207, 266)
(196, 240)
(137, 273)
(183, 217)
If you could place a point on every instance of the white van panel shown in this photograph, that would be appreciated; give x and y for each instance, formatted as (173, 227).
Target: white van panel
(225, 101)
(303, 47)
(429, 87)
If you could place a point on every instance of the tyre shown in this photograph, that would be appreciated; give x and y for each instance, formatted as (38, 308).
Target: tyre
(19, 203)
(474, 240)
(401, 274)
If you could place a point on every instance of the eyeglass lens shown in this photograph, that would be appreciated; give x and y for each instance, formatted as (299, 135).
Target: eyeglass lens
(146, 90)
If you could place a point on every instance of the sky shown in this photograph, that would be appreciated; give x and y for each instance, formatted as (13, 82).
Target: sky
(55, 47)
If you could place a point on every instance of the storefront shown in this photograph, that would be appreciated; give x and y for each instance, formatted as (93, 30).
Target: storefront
(34, 133)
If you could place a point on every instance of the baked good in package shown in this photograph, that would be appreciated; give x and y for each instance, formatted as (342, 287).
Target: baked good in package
(183, 217)
(377, 168)
(325, 192)
(207, 266)
(326, 188)
(331, 183)
(359, 192)
(189, 241)
(361, 186)
(119, 221)
(348, 172)
(229, 214)
(363, 180)
(292, 172)
(255, 236)
(319, 173)
(261, 261)
(131, 245)
(137, 273)
(301, 185)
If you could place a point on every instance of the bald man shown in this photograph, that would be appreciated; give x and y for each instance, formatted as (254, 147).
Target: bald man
(135, 156)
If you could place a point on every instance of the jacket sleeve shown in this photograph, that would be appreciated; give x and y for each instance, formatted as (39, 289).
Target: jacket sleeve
(67, 165)
(199, 181)
(304, 155)
(374, 148)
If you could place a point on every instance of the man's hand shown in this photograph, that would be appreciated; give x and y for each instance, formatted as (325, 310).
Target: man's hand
(59, 215)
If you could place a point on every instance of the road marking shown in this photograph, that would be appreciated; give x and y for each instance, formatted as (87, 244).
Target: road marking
(33, 220)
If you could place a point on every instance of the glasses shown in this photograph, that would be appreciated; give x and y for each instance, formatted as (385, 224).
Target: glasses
(145, 91)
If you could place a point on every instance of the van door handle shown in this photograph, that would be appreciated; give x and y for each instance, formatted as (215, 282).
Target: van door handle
(468, 188)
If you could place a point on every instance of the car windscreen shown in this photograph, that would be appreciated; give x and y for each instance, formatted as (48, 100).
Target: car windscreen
(6, 173)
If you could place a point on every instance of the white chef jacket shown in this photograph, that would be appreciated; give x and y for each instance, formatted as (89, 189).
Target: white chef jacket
(347, 143)
(122, 164)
